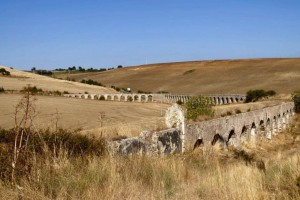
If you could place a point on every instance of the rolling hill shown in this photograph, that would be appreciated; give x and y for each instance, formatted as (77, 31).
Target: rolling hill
(204, 77)
(19, 79)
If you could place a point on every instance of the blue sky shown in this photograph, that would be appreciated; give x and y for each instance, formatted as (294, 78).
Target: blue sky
(50, 34)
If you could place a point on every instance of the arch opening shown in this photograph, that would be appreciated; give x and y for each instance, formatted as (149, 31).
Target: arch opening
(102, 98)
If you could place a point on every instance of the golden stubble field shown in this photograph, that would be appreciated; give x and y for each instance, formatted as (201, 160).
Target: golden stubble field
(19, 79)
(119, 119)
(205, 77)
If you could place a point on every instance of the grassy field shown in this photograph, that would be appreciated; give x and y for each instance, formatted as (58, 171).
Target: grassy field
(206, 77)
(19, 79)
(120, 118)
(206, 173)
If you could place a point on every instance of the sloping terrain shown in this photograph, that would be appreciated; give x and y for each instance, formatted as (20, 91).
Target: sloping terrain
(206, 77)
(118, 118)
(19, 79)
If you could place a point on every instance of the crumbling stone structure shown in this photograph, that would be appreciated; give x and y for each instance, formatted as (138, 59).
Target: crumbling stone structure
(245, 127)
(230, 130)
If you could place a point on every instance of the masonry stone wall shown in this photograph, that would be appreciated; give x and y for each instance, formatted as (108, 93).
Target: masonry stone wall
(166, 98)
(244, 127)
(149, 143)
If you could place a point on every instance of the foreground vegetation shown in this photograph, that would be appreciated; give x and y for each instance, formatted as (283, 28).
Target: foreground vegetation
(58, 171)
(63, 164)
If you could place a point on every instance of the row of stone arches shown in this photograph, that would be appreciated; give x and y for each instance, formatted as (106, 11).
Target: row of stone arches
(216, 100)
(115, 97)
(253, 131)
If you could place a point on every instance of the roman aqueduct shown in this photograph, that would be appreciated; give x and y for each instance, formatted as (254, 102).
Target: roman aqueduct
(230, 130)
(167, 98)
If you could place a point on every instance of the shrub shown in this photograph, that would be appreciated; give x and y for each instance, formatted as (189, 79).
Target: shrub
(238, 111)
(296, 98)
(33, 90)
(4, 72)
(2, 90)
(255, 95)
(189, 71)
(130, 98)
(228, 113)
(197, 106)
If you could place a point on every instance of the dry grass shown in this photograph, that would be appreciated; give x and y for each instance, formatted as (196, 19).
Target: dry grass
(207, 77)
(19, 79)
(121, 118)
(209, 175)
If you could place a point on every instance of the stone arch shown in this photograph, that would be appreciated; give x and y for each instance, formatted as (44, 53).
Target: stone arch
(232, 139)
(228, 100)
(253, 132)
(136, 98)
(143, 98)
(236, 100)
(220, 100)
(122, 98)
(198, 143)
(89, 96)
(268, 130)
(116, 98)
(232, 100)
(262, 129)
(223, 100)
(245, 134)
(279, 123)
(96, 97)
(129, 98)
(108, 98)
(76, 96)
(218, 139)
(150, 98)
(274, 125)
(102, 98)
(82, 97)
(284, 121)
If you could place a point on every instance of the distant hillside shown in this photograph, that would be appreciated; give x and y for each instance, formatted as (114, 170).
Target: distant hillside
(19, 79)
(216, 76)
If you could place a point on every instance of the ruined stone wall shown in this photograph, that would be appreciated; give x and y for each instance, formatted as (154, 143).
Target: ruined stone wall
(149, 143)
(253, 125)
(229, 130)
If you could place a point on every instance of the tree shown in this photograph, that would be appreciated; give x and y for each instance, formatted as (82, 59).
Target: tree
(4, 72)
(33, 69)
(199, 106)
(120, 66)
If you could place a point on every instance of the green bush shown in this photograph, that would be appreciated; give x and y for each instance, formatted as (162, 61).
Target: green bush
(296, 98)
(199, 106)
(255, 95)
(33, 90)
(4, 72)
